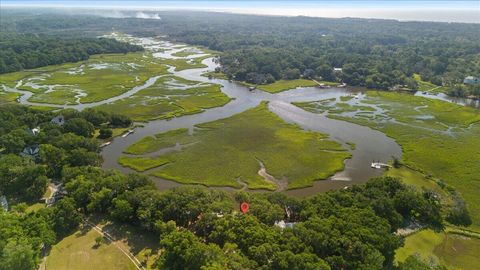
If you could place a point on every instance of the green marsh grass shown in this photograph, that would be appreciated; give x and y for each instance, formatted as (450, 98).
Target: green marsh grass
(427, 146)
(228, 151)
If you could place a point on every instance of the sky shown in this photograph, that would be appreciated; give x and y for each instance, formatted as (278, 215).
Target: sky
(407, 10)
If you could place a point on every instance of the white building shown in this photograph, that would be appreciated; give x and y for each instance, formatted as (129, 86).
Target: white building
(471, 80)
(4, 203)
(35, 131)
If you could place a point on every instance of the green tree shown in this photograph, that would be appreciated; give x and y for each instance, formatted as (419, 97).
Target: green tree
(105, 133)
(18, 254)
(122, 210)
(66, 217)
(79, 126)
(53, 157)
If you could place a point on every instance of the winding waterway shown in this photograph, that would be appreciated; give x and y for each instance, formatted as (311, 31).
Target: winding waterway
(370, 144)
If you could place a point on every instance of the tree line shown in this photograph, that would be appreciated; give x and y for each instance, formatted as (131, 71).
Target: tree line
(26, 51)
(371, 53)
(198, 228)
(261, 49)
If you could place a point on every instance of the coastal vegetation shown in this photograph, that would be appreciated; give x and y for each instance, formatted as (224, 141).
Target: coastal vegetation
(438, 138)
(169, 97)
(98, 78)
(195, 226)
(264, 49)
(26, 51)
(234, 148)
(283, 85)
(60, 209)
(452, 250)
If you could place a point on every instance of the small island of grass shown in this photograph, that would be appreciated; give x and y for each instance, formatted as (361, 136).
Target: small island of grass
(231, 151)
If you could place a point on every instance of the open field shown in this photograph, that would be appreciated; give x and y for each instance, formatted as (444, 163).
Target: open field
(226, 151)
(422, 243)
(437, 137)
(428, 86)
(452, 250)
(169, 97)
(79, 250)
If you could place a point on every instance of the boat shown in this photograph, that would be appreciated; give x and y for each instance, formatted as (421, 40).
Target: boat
(379, 165)
(130, 131)
(105, 144)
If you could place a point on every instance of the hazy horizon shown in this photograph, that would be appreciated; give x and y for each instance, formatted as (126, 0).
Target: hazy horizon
(440, 11)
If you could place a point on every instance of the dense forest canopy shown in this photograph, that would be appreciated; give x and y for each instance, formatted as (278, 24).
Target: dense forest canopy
(26, 51)
(198, 228)
(261, 49)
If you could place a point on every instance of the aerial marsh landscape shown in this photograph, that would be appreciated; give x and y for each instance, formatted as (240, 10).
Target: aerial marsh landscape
(233, 149)
(438, 138)
(454, 250)
(162, 135)
(100, 77)
(169, 97)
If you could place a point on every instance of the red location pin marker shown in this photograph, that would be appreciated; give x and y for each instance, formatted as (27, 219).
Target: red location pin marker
(244, 207)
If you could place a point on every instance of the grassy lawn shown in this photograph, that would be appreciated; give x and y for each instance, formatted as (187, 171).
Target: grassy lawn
(422, 243)
(79, 250)
(220, 152)
(169, 97)
(428, 86)
(283, 85)
(419, 181)
(452, 250)
(444, 144)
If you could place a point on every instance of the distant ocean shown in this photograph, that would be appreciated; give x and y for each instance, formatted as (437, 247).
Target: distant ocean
(444, 11)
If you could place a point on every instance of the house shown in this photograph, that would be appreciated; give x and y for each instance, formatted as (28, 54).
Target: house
(58, 120)
(336, 69)
(34, 131)
(282, 224)
(4, 203)
(30, 151)
(471, 80)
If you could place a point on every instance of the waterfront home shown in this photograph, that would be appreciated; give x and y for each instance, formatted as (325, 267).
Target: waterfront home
(30, 151)
(58, 120)
(471, 80)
